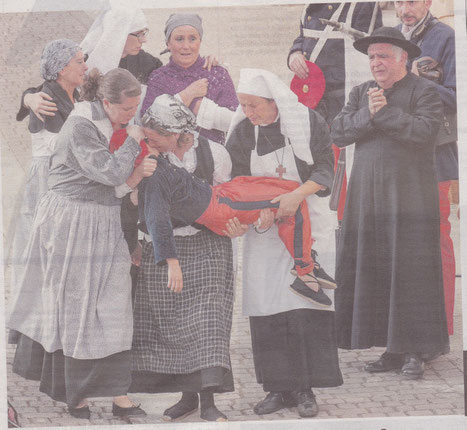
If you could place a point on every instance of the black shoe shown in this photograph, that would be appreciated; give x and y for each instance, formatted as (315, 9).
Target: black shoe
(213, 414)
(413, 367)
(307, 406)
(430, 356)
(180, 410)
(274, 402)
(323, 278)
(317, 297)
(385, 363)
(132, 411)
(83, 412)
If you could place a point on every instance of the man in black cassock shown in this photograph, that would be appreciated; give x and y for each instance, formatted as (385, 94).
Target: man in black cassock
(390, 290)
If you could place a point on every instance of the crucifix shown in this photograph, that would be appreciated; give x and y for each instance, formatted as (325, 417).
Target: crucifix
(280, 169)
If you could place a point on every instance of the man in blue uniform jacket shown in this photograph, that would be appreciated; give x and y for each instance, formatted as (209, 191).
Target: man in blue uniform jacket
(331, 56)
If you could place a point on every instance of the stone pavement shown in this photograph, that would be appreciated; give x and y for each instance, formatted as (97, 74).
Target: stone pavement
(362, 395)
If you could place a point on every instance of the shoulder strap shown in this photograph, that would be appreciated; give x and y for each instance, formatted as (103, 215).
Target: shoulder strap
(417, 37)
(205, 161)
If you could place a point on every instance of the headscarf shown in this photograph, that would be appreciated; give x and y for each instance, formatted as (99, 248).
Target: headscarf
(107, 36)
(170, 114)
(294, 116)
(178, 19)
(56, 56)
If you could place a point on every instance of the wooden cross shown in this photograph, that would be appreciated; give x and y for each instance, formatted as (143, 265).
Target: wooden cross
(281, 170)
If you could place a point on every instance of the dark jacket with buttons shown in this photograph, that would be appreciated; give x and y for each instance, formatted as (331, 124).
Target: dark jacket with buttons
(438, 42)
(165, 196)
(331, 60)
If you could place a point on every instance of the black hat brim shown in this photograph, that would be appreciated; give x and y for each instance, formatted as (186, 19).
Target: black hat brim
(362, 44)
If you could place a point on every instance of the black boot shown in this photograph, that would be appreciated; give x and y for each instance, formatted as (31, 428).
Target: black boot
(187, 405)
(209, 411)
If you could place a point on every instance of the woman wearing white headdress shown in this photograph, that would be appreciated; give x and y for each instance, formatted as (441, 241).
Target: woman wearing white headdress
(272, 134)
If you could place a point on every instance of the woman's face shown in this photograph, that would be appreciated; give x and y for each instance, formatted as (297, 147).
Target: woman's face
(122, 113)
(258, 110)
(73, 73)
(134, 42)
(163, 143)
(184, 44)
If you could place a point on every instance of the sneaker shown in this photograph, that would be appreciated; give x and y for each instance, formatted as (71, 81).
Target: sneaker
(317, 297)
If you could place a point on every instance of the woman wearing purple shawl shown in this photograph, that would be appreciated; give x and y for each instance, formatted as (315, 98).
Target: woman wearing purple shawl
(209, 94)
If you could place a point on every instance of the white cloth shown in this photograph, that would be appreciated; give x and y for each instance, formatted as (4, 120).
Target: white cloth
(295, 121)
(107, 36)
(42, 143)
(266, 261)
(211, 116)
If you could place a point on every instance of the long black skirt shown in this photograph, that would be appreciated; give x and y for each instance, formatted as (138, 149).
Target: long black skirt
(295, 350)
(70, 380)
(217, 379)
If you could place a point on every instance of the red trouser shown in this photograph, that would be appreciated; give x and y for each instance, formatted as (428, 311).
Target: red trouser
(447, 253)
(245, 196)
(340, 208)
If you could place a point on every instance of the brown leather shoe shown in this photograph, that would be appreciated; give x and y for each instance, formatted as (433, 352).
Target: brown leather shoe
(385, 363)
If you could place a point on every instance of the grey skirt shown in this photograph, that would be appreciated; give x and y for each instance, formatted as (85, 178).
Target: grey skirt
(33, 188)
(75, 292)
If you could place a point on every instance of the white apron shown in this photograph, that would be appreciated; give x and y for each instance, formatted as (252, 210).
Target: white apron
(266, 261)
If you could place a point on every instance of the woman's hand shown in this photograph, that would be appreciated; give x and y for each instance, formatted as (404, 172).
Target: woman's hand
(175, 281)
(41, 104)
(147, 166)
(145, 169)
(134, 197)
(234, 228)
(210, 62)
(135, 132)
(196, 89)
(288, 203)
(265, 220)
(137, 255)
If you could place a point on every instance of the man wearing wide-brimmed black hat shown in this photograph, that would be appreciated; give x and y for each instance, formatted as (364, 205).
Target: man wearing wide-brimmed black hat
(389, 275)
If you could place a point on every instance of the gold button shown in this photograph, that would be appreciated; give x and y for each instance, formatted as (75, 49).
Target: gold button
(308, 18)
(305, 88)
(330, 6)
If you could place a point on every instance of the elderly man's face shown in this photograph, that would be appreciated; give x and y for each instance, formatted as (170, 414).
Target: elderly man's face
(412, 12)
(385, 65)
(162, 142)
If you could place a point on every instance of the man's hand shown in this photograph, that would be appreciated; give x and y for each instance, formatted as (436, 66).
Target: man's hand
(41, 104)
(175, 276)
(297, 64)
(376, 100)
(234, 228)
